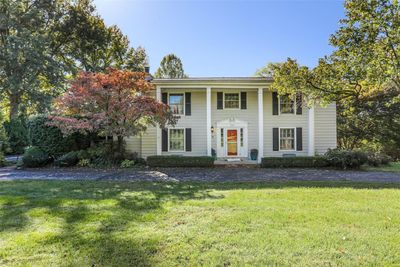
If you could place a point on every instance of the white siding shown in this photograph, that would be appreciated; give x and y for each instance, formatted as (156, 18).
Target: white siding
(196, 121)
(284, 120)
(250, 115)
(149, 144)
(134, 144)
(325, 128)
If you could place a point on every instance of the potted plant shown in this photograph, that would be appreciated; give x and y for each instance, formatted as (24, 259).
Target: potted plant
(253, 154)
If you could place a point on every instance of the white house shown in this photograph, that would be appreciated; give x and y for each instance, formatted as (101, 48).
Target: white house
(232, 116)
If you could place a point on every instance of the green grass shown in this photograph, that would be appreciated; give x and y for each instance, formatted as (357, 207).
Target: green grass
(106, 223)
(392, 167)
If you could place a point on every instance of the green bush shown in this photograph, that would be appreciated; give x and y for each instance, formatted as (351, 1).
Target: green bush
(51, 140)
(127, 163)
(2, 160)
(4, 143)
(180, 161)
(17, 135)
(346, 159)
(84, 162)
(294, 162)
(377, 159)
(35, 157)
(67, 160)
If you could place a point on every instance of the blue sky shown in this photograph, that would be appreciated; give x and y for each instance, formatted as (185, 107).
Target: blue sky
(226, 38)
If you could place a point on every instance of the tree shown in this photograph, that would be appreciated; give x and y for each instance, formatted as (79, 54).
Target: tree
(362, 74)
(88, 44)
(170, 67)
(28, 66)
(45, 42)
(116, 103)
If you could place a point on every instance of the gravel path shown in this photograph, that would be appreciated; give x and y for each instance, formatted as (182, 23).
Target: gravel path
(218, 174)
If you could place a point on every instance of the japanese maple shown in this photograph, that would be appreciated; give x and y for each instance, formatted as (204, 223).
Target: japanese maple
(116, 103)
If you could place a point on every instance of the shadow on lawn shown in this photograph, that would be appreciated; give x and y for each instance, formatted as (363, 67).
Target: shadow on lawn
(97, 216)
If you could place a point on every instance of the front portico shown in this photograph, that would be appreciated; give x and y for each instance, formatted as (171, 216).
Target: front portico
(231, 137)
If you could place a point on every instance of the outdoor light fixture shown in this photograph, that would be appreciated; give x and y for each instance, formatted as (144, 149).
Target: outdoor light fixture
(212, 129)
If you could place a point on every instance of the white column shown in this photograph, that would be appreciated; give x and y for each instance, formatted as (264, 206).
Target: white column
(158, 138)
(208, 115)
(311, 131)
(260, 124)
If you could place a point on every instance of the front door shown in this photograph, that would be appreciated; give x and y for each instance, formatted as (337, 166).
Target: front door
(232, 144)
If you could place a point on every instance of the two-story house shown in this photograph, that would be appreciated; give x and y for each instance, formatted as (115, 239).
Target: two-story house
(232, 116)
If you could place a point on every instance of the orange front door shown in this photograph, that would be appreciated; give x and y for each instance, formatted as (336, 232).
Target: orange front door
(232, 142)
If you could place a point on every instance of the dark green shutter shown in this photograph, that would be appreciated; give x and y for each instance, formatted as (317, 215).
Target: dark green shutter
(275, 104)
(164, 98)
(164, 140)
(243, 100)
(188, 139)
(299, 104)
(188, 104)
(220, 100)
(299, 139)
(275, 139)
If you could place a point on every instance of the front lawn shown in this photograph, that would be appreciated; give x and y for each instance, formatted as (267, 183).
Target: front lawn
(107, 223)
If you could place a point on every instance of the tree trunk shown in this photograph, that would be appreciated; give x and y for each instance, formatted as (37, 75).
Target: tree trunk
(14, 106)
(120, 144)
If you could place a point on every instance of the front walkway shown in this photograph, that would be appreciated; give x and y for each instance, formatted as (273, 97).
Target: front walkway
(218, 174)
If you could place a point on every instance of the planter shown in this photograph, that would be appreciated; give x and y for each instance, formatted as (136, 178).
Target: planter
(253, 154)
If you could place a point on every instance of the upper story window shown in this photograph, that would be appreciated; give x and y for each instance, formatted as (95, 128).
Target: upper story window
(286, 139)
(286, 104)
(176, 103)
(232, 100)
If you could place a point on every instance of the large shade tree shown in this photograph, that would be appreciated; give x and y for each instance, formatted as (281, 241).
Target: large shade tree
(170, 67)
(116, 103)
(45, 42)
(362, 74)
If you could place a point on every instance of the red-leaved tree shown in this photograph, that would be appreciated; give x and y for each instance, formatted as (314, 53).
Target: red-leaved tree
(116, 103)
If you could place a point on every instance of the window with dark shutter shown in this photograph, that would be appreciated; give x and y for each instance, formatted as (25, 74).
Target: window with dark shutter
(220, 100)
(164, 98)
(275, 139)
(275, 103)
(188, 104)
(188, 139)
(299, 139)
(164, 139)
(299, 104)
(243, 100)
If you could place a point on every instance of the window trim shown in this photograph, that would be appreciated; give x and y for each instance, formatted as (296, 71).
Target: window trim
(184, 139)
(294, 107)
(295, 139)
(184, 102)
(240, 100)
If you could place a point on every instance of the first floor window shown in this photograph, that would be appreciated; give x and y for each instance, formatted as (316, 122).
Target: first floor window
(286, 104)
(232, 100)
(176, 139)
(286, 137)
(176, 103)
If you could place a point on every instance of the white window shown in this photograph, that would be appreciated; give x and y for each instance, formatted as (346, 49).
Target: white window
(176, 102)
(286, 138)
(176, 139)
(286, 104)
(231, 100)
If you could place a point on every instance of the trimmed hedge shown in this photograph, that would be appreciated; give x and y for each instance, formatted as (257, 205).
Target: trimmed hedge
(294, 162)
(180, 161)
